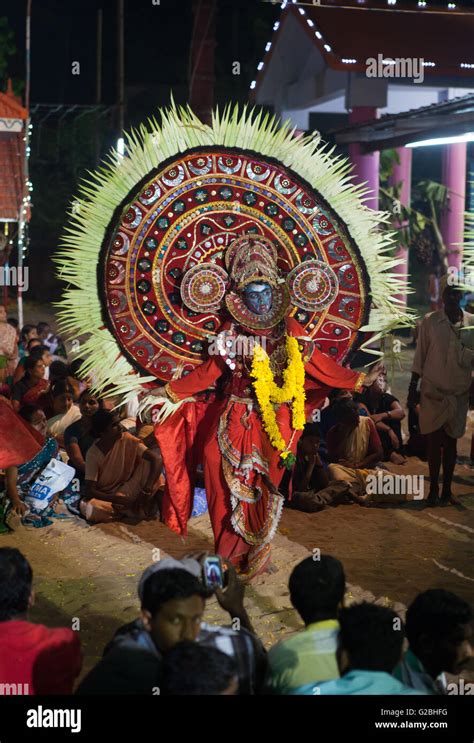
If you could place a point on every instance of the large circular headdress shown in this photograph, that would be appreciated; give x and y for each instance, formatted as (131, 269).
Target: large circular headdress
(157, 247)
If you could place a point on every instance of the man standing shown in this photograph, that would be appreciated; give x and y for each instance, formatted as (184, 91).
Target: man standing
(444, 360)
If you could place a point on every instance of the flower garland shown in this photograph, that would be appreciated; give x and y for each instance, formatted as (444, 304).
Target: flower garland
(268, 393)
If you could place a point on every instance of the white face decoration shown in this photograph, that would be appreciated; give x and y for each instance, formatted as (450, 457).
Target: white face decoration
(258, 298)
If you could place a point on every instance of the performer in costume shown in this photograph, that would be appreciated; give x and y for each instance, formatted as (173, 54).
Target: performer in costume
(206, 239)
(251, 436)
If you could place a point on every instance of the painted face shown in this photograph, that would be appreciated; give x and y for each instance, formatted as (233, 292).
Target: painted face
(258, 298)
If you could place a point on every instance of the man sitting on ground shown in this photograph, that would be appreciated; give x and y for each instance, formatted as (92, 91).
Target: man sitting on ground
(33, 658)
(369, 648)
(191, 669)
(172, 598)
(316, 591)
(439, 635)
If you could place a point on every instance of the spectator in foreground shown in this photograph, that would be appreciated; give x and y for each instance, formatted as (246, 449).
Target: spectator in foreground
(38, 351)
(172, 598)
(440, 640)
(192, 669)
(317, 591)
(38, 660)
(369, 647)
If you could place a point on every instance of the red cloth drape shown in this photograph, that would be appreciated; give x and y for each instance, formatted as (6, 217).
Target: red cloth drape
(19, 442)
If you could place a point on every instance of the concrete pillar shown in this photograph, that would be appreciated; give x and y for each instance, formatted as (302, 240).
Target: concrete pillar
(452, 220)
(366, 167)
(402, 173)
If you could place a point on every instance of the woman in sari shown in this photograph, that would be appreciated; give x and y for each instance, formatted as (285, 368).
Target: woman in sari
(33, 385)
(78, 437)
(8, 347)
(354, 446)
(122, 473)
(20, 478)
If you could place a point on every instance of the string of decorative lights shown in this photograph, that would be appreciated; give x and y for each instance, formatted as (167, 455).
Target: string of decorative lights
(328, 48)
(23, 239)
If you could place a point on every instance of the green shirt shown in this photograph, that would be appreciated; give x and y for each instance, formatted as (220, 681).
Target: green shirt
(304, 658)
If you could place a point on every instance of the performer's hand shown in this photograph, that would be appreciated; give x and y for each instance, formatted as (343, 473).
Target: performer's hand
(231, 598)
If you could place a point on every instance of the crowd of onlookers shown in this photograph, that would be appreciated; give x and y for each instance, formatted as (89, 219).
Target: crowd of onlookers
(168, 649)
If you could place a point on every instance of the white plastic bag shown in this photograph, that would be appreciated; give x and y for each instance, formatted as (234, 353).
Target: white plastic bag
(55, 477)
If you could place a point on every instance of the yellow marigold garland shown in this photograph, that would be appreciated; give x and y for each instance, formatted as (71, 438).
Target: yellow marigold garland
(268, 393)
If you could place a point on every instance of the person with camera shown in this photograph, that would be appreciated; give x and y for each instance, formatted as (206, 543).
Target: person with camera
(173, 597)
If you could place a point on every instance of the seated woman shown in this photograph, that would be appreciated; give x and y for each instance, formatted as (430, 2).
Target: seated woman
(64, 411)
(20, 478)
(76, 381)
(387, 414)
(33, 385)
(78, 438)
(37, 351)
(354, 447)
(122, 473)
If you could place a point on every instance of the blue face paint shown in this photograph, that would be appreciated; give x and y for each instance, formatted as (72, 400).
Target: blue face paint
(258, 298)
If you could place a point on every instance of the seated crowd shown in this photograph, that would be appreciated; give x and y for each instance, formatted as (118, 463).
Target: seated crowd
(169, 650)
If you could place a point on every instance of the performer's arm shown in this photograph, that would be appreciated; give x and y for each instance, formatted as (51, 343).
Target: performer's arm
(328, 372)
(196, 381)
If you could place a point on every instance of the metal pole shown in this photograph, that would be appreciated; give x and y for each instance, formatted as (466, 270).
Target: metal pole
(98, 85)
(120, 68)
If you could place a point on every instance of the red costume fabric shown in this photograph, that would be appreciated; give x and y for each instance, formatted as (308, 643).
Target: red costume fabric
(242, 470)
(42, 660)
(19, 442)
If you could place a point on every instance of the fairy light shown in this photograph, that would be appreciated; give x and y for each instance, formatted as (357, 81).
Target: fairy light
(467, 65)
(260, 66)
(349, 61)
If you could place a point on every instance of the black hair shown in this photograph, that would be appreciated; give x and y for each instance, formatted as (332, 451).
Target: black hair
(168, 584)
(317, 588)
(372, 637)
(344, 408)
(436, 613)
(311, 429)
(58, 371)
(75, 367)
(61, 387)
(38, 351)
(27, 411)
(29, 345)
(335, 393)
(190, 668)
(13, 322)
(25, 330)
(16, 577)
(101, 420)
(30, 362)
(42, 326)
(89, 393)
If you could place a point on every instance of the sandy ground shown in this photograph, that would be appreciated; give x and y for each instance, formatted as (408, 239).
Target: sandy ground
(390, 553)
